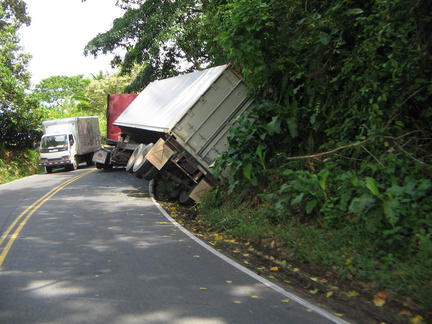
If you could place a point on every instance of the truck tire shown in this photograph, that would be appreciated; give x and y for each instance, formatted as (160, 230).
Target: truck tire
(74, 164)
(175, 192)
(131, 161)
(141, 165)
(89, 159)
(151, 173)
(48, 169)
(144, 166)
(184, 198)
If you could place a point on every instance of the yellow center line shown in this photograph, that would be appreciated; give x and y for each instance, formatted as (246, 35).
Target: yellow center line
(30, 211)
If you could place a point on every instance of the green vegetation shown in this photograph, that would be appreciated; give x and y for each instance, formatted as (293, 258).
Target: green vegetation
(339, 149)
(17, 115)
(18, 163)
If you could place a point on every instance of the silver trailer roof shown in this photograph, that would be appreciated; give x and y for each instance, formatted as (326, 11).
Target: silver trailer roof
(164, 102)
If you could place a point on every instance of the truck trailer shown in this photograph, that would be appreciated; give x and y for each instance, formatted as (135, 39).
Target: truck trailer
(68, 142)
(181, 124)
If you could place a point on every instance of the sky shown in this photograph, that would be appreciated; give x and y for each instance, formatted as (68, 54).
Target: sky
(58, 33)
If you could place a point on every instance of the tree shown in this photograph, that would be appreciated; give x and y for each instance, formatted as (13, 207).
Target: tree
(53, 91)
(164, 37)
(98, 89)
(13, 13)
(18, 114)
(95, 100)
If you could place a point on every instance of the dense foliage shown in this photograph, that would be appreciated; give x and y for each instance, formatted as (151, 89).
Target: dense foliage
(16, 163)
(353, 83)
(17, 115)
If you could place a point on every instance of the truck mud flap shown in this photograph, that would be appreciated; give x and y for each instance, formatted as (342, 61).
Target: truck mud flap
(101, 156)
(160, 154)
(201, 188)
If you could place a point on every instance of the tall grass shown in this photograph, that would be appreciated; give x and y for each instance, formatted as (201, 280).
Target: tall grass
(16, 163)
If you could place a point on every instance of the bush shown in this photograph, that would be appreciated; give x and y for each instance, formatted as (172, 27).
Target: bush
(17, 163)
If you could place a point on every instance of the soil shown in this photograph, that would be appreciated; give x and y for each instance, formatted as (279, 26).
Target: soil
(345, 298)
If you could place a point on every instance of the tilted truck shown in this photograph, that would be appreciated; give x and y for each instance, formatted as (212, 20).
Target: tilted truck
(118, 147)
(182, 125)
(68, 142)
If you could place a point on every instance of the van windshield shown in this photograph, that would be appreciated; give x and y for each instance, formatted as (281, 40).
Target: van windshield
(54, 141)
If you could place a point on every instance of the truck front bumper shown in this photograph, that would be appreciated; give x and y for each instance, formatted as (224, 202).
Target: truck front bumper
(55, 163)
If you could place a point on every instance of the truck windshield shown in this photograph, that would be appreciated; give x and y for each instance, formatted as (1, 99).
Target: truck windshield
(54, 141)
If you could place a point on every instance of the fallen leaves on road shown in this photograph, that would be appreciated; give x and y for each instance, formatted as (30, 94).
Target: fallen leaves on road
(380, 298)
(352, 293)
(417, 320)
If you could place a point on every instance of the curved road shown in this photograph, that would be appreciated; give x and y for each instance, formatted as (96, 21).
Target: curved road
(88, 246)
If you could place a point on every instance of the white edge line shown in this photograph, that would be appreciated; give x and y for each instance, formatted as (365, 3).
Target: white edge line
(24, 178)
(236, 265)
(5, 184)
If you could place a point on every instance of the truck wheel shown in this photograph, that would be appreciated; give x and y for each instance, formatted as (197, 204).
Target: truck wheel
(151, 173)
(184, 198)
(89, 160)
(175, 192)
(48, 169)
(131, 161)
(74, 164)
(141, 165)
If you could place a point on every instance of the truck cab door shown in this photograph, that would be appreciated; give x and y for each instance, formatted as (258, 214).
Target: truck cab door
(72, 145)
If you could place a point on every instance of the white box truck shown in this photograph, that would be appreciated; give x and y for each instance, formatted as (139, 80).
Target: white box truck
(182, 123)
(68, 142)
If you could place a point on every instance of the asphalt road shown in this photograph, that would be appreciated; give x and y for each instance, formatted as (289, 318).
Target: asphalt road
(88, 246)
